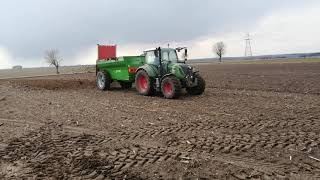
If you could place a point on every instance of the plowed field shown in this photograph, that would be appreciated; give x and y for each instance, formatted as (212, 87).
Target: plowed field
(254, 121)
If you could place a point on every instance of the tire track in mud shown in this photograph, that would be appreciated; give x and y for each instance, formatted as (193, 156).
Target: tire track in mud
(202, 137)
(88, 156)
(52, 154)
(266, 170)
(236, 139)
(3, 146)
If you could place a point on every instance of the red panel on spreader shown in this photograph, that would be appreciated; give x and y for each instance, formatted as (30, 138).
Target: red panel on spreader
(106, 52)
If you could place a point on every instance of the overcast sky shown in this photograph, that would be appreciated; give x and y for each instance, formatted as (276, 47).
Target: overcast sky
(28, 28)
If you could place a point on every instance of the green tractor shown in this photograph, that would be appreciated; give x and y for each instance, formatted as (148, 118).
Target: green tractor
(164, 72)
(157, 70)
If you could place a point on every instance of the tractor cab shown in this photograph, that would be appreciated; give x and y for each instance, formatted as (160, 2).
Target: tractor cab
(166, 55)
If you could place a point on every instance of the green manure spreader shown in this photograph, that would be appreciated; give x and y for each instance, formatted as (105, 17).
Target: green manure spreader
(157, 70)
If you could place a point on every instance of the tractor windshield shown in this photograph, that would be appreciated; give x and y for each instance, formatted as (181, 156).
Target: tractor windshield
(170, 55)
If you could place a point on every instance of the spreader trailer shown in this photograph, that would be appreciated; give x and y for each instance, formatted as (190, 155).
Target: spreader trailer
(157, 70)
(110, 68)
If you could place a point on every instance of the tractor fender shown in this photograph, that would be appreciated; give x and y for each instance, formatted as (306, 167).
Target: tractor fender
(170, 74)
(151, 71)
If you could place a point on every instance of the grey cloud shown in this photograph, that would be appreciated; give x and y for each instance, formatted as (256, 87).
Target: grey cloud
(29, 27)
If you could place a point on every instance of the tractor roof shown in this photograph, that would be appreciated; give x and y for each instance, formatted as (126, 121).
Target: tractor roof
(153, 49)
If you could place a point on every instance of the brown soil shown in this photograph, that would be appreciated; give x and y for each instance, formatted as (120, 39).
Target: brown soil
(254, 121)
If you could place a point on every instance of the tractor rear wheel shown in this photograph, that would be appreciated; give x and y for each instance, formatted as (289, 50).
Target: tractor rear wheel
(144, 83)
(199, 89)
(171, 87)
(125, 85)
(103, 81)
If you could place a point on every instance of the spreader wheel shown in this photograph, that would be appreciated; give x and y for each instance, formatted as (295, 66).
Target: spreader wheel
(103, 81)
(144, 84)
(171, 87)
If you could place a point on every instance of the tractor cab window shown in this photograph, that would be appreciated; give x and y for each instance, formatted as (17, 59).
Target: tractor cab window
(173, 56)
(165, 56)
(170, 55)
(151, 58)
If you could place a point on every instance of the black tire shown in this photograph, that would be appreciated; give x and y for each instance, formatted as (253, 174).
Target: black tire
(144, 83)
(125, 85)
(103, 81)
(199, 89)
(171, 87)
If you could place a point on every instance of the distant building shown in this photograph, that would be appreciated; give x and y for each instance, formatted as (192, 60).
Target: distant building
(17, 67)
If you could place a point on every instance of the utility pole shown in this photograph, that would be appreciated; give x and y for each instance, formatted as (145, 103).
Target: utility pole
(248, 50)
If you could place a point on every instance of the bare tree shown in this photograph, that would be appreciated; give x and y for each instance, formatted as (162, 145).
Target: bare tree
(219, 49)
(53, 59)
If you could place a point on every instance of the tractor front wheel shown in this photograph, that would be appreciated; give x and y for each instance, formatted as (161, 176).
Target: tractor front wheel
(103, 81)
(171, 87)
(199, 89)
(144, 83)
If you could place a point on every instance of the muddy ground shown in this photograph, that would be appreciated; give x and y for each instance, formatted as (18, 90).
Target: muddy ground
(254, 121)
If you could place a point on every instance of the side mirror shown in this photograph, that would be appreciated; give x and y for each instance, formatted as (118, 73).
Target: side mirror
(185, 54)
